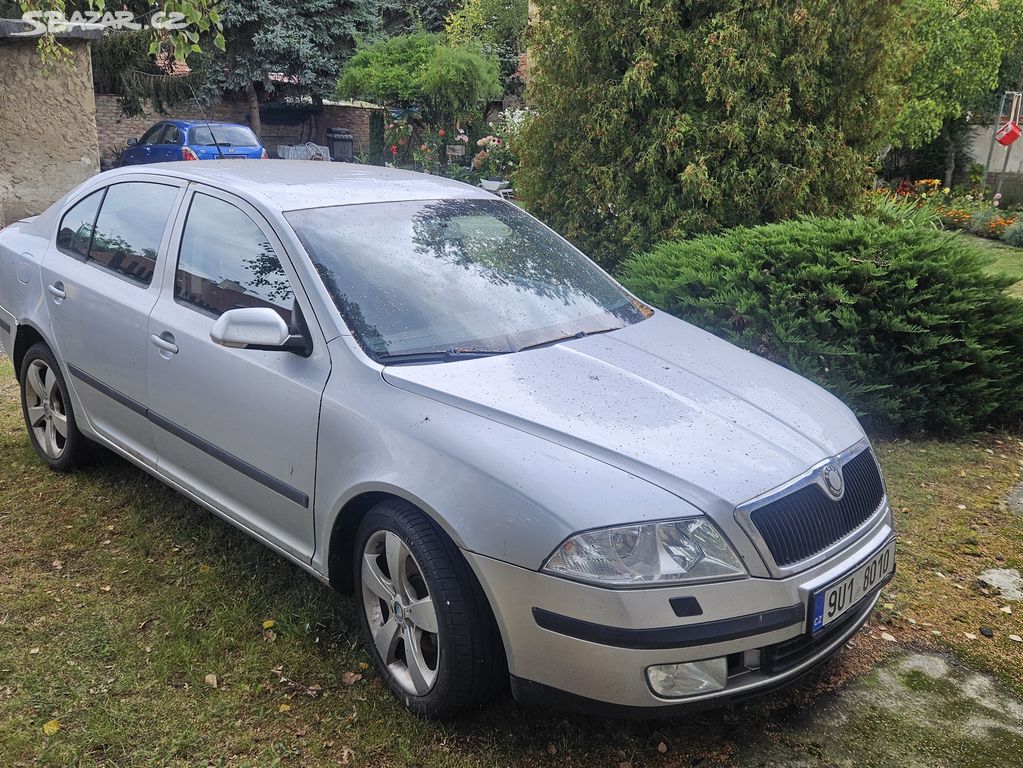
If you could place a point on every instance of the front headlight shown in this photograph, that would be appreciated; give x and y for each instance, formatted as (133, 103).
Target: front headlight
(655, 554)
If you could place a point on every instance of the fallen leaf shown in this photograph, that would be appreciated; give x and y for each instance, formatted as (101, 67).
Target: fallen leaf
(203, 568)
(889, 637)
(1016, 638)
(268, 623)
(363, 665)
(1005, 609)
(350, 678)
(970, 636)
(551, 749)
(662, 747)
(283, 708)
(105, 588)
(33, 651)
(211, 680)
(51, 727)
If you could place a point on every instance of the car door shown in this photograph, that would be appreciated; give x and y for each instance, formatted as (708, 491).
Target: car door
(168, 147)
(143, 151)
(237, 427)
(101, 281)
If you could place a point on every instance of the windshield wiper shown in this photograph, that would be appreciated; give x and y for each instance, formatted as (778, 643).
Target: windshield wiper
(440, 356)
(572, 337)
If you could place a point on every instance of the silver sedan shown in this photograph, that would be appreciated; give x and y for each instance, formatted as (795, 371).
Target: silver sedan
(418, 393)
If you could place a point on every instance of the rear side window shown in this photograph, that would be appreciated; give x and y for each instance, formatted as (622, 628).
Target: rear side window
(75, 231)
(129, 228)
(226, 262)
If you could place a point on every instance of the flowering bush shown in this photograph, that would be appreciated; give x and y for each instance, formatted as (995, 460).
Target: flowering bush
(497, 157)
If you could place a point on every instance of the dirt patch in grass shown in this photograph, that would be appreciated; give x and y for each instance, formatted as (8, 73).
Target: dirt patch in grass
(118, 598)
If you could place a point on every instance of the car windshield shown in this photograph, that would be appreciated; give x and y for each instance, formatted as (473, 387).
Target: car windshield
(457, 277)
(225, 135)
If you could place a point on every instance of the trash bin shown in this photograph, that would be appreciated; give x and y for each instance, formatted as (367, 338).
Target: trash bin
(340, 142)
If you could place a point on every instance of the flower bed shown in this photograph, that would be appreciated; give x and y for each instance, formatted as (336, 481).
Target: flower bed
(964, 209)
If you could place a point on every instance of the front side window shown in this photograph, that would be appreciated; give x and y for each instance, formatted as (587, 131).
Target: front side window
(172, 135)
(129, 228)
(152, 136)
(226, 262)
(75, 231)
(442, 276)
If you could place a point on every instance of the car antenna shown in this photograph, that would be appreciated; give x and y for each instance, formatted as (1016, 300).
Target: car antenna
(206, 120)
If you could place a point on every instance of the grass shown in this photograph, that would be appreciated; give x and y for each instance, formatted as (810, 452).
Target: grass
(118, 598)
(1005, 260)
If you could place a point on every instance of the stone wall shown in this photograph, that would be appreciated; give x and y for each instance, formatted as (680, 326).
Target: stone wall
(47, 127)
(115, 128)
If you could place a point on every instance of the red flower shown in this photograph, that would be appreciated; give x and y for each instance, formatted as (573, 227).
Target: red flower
(394, 149)
(441, 133)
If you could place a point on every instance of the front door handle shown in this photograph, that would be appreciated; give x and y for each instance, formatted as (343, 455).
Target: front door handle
(56, 290)
(164, 342)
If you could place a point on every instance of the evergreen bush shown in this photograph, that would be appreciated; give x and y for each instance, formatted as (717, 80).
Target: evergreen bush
(901, 323)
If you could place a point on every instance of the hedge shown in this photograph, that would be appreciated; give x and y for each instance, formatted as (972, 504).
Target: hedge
(902, 323)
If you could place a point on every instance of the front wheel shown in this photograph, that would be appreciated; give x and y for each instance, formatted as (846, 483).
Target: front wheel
(49, 417)
(424, 616)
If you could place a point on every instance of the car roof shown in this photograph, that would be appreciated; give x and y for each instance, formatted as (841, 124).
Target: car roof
(195, 123)
(289, 185)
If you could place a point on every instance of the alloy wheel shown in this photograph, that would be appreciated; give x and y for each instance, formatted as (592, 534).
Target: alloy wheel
(44, 404)
(400, 611)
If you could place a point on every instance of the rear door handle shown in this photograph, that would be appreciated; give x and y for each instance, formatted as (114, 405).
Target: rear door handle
(164, 342)
(56, 290)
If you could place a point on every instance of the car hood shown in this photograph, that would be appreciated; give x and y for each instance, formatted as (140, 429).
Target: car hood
(660, 399)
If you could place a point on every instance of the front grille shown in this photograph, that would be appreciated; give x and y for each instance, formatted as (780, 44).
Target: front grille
(807, 521)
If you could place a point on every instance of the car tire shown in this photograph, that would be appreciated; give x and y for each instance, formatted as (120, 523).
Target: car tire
(46, 406)
(437, 662)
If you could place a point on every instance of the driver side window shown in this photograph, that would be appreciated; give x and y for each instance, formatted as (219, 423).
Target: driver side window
(226, 262)
(152, 136)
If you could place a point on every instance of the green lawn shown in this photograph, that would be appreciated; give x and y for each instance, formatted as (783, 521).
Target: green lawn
(118, 598)
(1005, 260)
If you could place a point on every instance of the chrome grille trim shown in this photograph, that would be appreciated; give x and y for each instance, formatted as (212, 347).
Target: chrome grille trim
(802, 540)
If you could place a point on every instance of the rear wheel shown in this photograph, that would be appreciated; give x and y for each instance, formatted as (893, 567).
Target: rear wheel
(426, 620)
(49, 417)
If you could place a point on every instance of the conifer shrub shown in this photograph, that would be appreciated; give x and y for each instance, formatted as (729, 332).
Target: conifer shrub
(901, 323)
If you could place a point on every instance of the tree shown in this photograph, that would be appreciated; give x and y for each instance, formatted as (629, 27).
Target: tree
(421, 71)
(200, 17)
(494, 27)
(302, 44)
(659, 119)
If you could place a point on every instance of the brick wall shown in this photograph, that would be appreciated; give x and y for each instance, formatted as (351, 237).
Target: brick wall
(114, 129)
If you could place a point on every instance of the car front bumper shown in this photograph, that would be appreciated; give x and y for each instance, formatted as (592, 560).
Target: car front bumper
(577, 646)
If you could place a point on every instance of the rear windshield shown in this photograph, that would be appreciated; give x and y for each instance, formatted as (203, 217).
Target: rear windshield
(224, 135)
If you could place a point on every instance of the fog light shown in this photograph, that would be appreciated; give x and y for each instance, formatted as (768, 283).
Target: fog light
(689, 679)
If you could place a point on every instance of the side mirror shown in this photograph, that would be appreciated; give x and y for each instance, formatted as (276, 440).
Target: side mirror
(257, 328)
(132, 141)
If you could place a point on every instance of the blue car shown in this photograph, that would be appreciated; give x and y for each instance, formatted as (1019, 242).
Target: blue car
(193, 140)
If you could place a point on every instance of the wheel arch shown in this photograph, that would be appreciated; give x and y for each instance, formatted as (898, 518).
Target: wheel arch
(339, 554)
(26, 335)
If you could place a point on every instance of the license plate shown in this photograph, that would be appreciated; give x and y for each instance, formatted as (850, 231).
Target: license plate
(829, 604)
